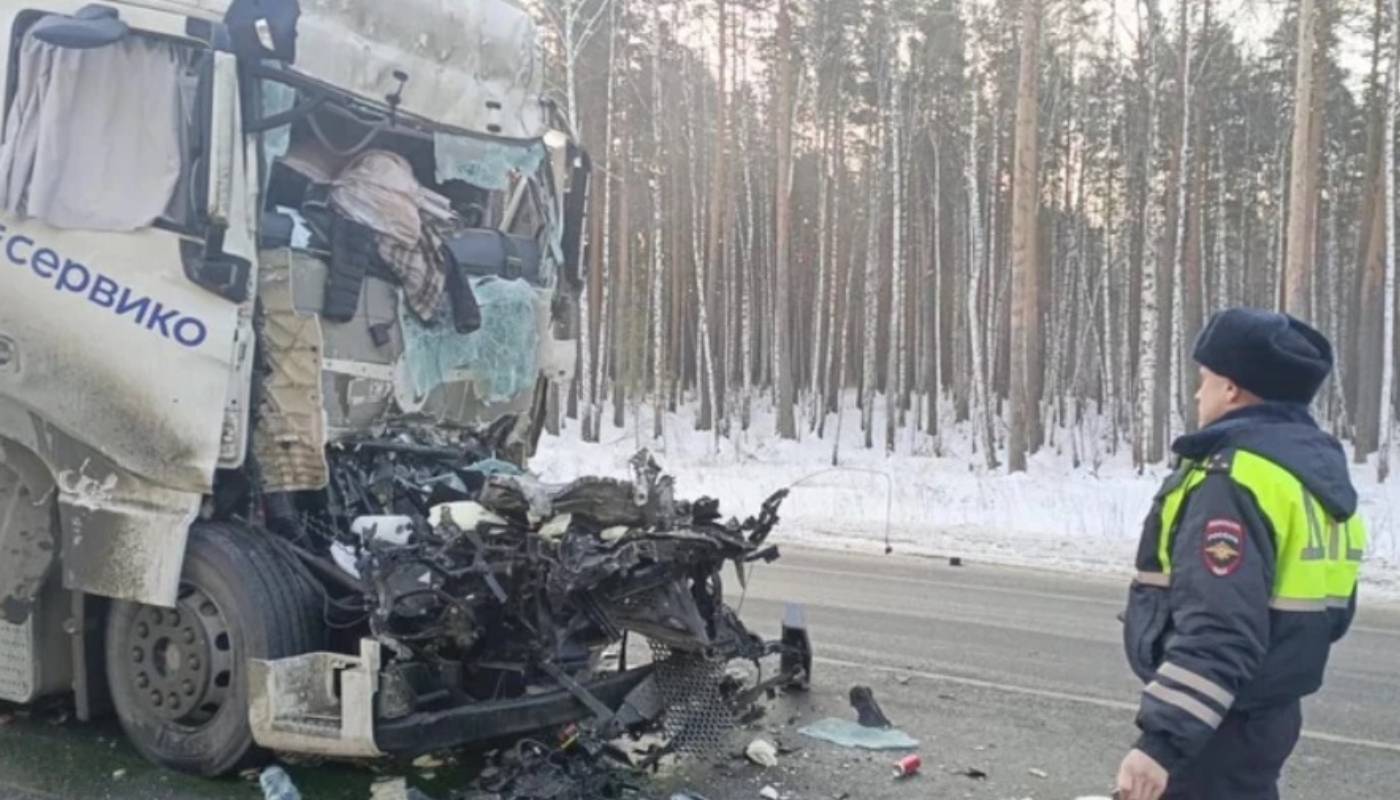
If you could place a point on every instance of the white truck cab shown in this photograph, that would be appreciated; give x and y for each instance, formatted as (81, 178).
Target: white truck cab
(235, 236)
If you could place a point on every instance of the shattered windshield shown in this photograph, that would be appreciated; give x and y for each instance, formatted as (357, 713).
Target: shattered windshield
(431, 256)
(490, 183)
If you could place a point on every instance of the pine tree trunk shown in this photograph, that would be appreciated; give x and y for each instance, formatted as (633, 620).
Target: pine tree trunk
(1387, 403)
(816, 392)
(871, 293)
(746, 289)
(783, 361)
(1024, 233)
(703, 351)
(658, 250)
(935, 389)
(597, 397)
(713, 253)
(1177, 418)
(1298, 272)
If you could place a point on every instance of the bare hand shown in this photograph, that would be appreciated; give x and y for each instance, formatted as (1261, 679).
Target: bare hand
(1141, 778)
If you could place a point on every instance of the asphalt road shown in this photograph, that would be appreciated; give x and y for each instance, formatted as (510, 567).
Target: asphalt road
(1009, 671)
(1017, 674)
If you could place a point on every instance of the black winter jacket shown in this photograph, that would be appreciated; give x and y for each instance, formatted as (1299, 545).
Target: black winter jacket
(1209, 642)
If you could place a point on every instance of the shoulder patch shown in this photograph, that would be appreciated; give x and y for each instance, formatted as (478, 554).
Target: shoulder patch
(1222, 546)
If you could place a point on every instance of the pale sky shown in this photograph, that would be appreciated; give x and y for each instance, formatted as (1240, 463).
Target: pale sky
(1254, 21)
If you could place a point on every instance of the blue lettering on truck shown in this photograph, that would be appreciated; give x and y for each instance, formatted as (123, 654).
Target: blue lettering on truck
(70, 277)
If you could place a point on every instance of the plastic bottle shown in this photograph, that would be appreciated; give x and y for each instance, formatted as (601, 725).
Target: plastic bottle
(277, 785)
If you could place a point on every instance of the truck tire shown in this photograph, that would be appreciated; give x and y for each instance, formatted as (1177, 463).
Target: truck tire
(178, 676)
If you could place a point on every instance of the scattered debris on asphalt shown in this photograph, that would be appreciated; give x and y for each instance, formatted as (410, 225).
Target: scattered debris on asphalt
(849, 733)
(428, 762)
(395, 789)
(586, 770)
(1039, 773)
(972, 772)
(769, 793)
(277, 784)
(908, 766)
(762, 752)
(869, 712)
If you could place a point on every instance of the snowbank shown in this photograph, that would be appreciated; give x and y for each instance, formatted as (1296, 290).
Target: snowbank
(1056, 516)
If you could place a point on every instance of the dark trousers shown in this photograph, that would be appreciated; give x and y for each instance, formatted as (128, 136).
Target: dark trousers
(1244, 758)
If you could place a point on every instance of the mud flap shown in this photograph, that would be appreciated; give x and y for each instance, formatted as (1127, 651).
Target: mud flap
(28, 535)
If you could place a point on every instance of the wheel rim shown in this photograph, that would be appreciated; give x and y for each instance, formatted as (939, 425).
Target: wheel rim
(181, 660)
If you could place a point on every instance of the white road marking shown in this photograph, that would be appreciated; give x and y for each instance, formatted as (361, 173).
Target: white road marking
(1115, 705)
(952, 585)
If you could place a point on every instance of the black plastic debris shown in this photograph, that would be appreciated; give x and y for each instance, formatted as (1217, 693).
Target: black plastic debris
(585, 769)
(868, 711)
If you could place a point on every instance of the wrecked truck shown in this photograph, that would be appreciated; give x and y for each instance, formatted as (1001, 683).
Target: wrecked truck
(285, 290)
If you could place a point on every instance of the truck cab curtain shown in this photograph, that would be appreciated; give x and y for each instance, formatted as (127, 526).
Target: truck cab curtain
(93, 138)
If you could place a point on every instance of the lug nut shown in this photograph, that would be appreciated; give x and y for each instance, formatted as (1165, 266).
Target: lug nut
(156, 699)
(142, 681)
(189, 636)
(194, 662)
(143, 630)
(174, 701)
(137, 655)
(174, 619)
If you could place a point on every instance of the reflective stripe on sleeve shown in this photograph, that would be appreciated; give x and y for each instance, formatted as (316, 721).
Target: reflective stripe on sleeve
(1290, 604)
(1185, 702)
(1199, 683)
(1159, 579)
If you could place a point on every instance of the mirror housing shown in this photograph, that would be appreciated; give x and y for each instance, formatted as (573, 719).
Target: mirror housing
(206, 264)
(576, 216)
(209, 267)
(224, 138)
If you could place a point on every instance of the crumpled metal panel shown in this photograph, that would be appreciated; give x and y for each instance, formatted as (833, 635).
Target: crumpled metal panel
(471, 65)
(123, 537)
(317, 703)
(290, 438)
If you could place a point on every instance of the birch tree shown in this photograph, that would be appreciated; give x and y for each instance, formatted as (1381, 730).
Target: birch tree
(1178, 353)
(980, 413)
(1148, 443)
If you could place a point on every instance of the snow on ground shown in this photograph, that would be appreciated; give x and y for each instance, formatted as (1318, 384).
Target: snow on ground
(1055, 516)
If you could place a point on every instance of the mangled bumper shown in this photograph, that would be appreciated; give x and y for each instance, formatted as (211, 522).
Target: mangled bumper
(329, 704)
(295, 708)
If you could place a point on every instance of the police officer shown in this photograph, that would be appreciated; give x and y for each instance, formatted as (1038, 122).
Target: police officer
(1247, 569)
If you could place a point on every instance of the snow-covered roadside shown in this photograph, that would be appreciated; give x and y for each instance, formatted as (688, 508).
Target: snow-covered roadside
(1053, 517)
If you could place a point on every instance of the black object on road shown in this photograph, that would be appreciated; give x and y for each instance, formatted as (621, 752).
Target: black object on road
(870, 714)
